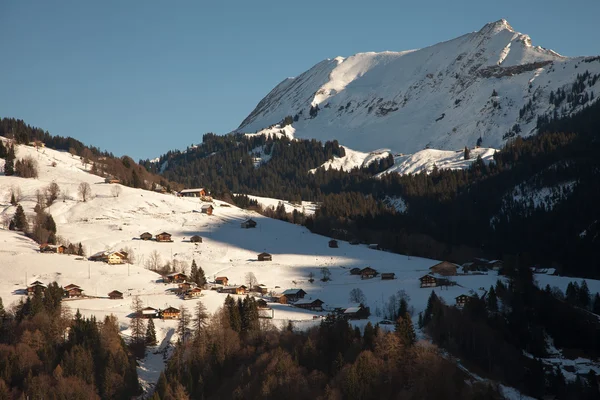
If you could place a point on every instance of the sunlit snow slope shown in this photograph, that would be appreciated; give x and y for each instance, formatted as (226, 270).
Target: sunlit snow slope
(438, 97)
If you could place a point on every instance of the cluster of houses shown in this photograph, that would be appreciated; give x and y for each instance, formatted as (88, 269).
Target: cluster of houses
(186, 289)
(166, 237)
(369, 273)
(70, 291)
(482, 265)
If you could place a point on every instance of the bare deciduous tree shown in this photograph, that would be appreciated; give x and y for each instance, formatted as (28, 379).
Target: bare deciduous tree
(116, 190)
(52, 193)
(357, 296)
(130, 254)
(85, 191)
(251, 280)
(325, 274)
(153, 262)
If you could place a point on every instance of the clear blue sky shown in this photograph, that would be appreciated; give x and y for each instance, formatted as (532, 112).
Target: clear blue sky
(143, 77)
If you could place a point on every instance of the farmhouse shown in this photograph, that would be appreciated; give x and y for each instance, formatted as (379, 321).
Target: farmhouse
(221, 280)
(110, 257)
(368, 273)
(428, 281)
(49, 248)
(444, 268)
(192, 192)
(35, 286)
(249, 224)
(149, 312)
(115, 295)
(355, 271)
(360, 312)
(72, 290)
(175, 277)
(184, 287)
(463, 299)
(388, 275)
(170, 313)
(265, 257)
(281, 299)
(294, 294)
(196, 239)
(259, 289)
(146, 236)
(235, 289)
(314, 305)
(207, 209)
(111, 180)
(261, 304)
(163, 237)
(193, 293)
(333, 244)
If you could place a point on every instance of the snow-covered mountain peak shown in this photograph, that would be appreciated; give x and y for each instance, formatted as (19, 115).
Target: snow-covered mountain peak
(484, 86)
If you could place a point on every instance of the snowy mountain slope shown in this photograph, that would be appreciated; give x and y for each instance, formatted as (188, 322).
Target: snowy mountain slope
(354, 159)
(424, 160)
(439, 96)
(107, 222)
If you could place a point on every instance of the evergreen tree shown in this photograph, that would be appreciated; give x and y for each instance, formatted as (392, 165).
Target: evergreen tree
(183, 327)
(80, 251)
(405, 330)
(492, 300)
(420, 322)
(49, 224)
(2, 312)
(3, 151)
(596, 305)
(583, 295)
(20, 219)
(13, 201)
(369, 337)
(200, 318)
(467, 154)
(9, 163)
(572, 293)
(403, 308)
(429, 309)
(150, 333)
(197, 274)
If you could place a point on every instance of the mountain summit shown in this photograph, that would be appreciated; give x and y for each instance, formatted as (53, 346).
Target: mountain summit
(484, 86)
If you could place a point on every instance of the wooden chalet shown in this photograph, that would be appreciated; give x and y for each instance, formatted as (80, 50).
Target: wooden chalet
(175, 277)
(149, 312)
(49, 248)
(259, 289)
(193, 293)
(387, 276)
(221, 280)
(293, 294)
(463, 299)
(207, 209)
(261, 304)
(199, 192)
(368, 273)
(110, 257)
(115, 295)
(74, 292)
(235, 289)
(314, 305)
(355, 271)
(359, 312)
(265, 257)
(111, 180)
(70, 286)
(281, 299)
(35, 286)
(249, 224)
(444, 268)
(146, 236)
(333, 244)
(170, 313)
(196, 239)
(184, 287)
(163, 237)
(428, 281)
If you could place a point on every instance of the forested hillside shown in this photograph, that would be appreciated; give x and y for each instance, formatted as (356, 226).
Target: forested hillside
(537, 197)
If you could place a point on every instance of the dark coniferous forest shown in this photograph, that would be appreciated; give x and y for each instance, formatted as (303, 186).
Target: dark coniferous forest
(489, 210)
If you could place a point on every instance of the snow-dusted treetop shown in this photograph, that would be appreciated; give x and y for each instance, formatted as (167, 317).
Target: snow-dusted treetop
(439, 96)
